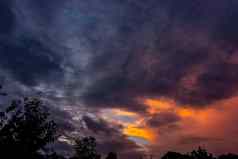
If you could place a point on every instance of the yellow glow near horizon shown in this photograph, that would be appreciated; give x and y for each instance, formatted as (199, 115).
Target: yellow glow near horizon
(134, 129)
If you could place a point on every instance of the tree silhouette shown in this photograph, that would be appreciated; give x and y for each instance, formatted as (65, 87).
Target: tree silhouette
(228, 156)
(25, 129)
(195, 154)
(111, 155)
(201, 154)
(175, 155)
(85, 148)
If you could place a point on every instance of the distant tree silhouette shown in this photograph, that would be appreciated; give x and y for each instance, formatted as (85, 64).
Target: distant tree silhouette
(111, 155)
(201, 154)
(85, 148)
(195, 154)
(175, 155)
(25, 130)
(228, 156)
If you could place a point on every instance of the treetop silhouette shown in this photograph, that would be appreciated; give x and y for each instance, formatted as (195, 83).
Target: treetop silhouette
(25, 129)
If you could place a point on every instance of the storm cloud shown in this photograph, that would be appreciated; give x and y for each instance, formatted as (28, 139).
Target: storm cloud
(148, 51)
(155, 62)
(99, 55)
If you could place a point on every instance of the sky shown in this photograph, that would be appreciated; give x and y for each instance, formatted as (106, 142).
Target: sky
(143, 77)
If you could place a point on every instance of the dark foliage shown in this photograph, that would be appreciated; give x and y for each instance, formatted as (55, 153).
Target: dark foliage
(228, 156)
(85, 148)
(25, 130)
(201, 154)
(175, 155)
(197, 154)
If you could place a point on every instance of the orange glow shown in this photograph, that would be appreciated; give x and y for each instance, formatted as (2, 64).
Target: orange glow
(144, 133)
(183, 112)
(200, 116)
(158, 105)
(193, 121)
(167, 105)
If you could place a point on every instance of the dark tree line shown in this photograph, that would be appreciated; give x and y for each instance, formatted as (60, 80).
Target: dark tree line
(26, 129)
(200, 153)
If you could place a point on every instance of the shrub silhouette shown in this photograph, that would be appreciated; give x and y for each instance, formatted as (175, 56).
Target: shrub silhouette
(25, 129)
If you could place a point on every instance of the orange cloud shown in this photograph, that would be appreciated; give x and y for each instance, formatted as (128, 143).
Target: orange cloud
(167, 105)
(141, 132)
(216, 124)
(158, 105)
(212, 124)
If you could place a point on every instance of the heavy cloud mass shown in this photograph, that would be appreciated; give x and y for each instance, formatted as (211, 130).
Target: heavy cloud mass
(153, 63)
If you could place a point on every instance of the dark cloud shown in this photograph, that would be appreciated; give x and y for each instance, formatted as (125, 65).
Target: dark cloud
(219, 81)
(139, 49)
(163, 119)
(29, 61)
(156, 57)
(135, 48)
(225, 29)
(7, 17)
(26, 57)
(195, 12)
(101, 97)
(44, 11)
(100, 126)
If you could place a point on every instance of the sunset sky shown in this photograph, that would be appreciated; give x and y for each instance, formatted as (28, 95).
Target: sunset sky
(142, 76)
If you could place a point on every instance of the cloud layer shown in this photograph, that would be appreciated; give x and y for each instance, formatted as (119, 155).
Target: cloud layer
(109, 55)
